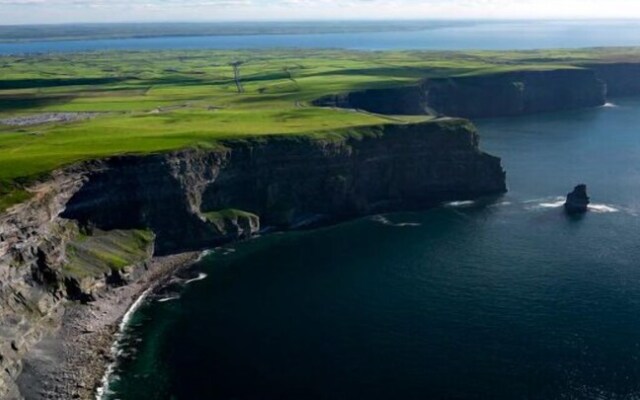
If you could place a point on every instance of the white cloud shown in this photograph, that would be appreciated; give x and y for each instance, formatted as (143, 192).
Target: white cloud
(26, 11)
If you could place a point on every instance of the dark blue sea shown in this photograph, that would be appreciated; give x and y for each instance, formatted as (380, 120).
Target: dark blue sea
(505, 298)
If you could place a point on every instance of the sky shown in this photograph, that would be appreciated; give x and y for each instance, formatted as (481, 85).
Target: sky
(66, 11)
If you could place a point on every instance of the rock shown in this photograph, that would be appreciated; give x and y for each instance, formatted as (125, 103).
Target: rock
(577, 201)
(512, 93)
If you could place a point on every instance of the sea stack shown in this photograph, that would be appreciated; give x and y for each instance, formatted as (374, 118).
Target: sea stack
(577, 201)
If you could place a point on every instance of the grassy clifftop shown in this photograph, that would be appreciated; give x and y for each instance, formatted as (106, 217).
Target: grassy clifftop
(59, 109)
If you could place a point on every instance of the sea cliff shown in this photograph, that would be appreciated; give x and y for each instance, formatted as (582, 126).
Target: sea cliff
(188, 198)
(498, 94)
(94, 226)
(622, 79)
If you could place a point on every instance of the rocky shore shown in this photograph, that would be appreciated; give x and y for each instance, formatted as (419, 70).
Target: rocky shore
(71, 362)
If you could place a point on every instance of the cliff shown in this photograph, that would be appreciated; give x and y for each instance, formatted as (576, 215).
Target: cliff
(515, 93)
(284, 183)
(622, 79)
(94, 226)
(497, 94)
(46, 260)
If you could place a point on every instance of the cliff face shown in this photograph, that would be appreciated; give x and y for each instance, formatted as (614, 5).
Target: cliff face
(32, 245)
(285, 183)
(495, 95)
(622, 79)
(46, 260)
(515, 93)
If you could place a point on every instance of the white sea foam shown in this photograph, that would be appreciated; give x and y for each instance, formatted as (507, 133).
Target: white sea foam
(201, 276)
(534, 201)
(558, 202)
(602, 209)
(167, 299)
(545, 203)
(609, 105)
(467, 203)
(554, 204)
(116, 349)
(501, 204)
(134, 307)
(385, 221)
(204, 254)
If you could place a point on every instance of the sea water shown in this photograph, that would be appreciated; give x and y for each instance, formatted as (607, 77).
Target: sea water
(497, 35)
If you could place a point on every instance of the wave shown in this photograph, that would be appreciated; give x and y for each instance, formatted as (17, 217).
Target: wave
(201, 276)
(167, 299)
(558, 202)
(204, 254)
(116, 348)
(466, 203)
(544, 204)
(610, 105)
(134, 307)
(385, 221)
(603, 208)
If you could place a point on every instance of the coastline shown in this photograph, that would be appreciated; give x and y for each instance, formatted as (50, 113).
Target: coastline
(72, 362)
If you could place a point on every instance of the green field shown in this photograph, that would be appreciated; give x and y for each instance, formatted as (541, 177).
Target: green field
(160, 101)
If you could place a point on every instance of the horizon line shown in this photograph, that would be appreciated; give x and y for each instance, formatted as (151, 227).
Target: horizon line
(327, 20)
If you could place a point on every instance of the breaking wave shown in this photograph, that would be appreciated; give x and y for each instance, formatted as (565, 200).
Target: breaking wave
(467, 203)
(116, 349)
(603, 208)
(558, 202)
(385, 221)
(167, 299)
(201, 276)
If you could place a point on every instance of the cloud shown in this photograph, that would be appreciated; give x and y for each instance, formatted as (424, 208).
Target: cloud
(32, 11)
(119, 3)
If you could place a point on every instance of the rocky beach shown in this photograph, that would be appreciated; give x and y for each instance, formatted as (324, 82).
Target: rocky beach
(71, 362)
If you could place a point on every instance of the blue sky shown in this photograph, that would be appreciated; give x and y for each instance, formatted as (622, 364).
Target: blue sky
(62, 11)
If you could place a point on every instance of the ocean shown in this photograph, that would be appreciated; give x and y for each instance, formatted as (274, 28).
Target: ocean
(497, 35)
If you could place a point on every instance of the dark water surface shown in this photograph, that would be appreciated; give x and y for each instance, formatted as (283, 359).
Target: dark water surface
(505, 300)
(485, 35)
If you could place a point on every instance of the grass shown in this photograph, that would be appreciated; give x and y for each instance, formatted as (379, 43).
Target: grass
(222, 219)
(10, 195)
(104, 252)
(165, 100)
